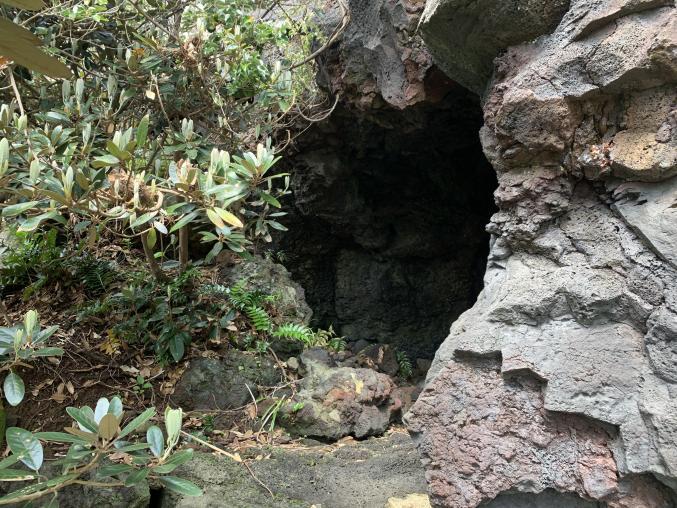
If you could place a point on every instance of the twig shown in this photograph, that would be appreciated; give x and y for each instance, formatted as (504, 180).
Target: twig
(256, 407)
(5, 314)
(341, 28)
(236, 458)
(158, 25)
(162, 105)
(10, 71)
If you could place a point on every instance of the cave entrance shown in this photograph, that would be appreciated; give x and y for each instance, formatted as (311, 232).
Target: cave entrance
(388, 232)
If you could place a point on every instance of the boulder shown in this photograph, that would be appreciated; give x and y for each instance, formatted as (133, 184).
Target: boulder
(381, 357)
(486, 26)
(224, 383)
(262, 274)
(337, 402)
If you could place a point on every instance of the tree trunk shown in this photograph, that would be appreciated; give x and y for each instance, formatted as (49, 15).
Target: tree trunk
(183, 248)
(150, 257)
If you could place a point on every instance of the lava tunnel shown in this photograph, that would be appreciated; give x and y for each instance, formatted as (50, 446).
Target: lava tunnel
(387, 234)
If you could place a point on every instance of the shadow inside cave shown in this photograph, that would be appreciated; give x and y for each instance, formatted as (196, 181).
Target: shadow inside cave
(387, 234)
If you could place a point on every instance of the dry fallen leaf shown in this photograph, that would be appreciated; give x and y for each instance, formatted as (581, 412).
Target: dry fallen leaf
(59, 396)
(121, 458)
(129, 370)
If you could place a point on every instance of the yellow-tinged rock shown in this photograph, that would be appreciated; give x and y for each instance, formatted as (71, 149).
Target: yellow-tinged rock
(411, 501)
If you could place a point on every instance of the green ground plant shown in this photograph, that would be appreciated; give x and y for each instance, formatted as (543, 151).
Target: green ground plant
(98, 446)
(19, 345)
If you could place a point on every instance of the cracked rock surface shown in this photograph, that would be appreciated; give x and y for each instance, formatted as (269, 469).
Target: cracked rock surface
(559, 387)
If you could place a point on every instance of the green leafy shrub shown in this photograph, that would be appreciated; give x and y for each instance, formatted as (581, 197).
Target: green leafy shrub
(94, 275)
(160, 314)
(30, 262)
(112, 152)
(99, 438)
(19, 345)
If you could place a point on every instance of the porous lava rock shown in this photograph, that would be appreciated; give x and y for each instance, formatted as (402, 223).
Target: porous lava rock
(578, 317)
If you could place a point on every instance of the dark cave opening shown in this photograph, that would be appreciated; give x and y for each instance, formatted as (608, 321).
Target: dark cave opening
(387, 235)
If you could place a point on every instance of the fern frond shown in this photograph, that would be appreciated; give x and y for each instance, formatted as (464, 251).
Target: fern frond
(240, 297)
(95, 275)
(406, 368)
(259, 318)
(294, 331)
(214, 290)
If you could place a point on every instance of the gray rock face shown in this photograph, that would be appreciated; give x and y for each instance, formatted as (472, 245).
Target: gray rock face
(562, 377)
(380, 59)
(489, 27)
(651, 212)
(224, 383)
(262, 274)
(573, 313)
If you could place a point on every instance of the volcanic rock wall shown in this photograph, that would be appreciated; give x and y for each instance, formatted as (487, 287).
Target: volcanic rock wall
(392, 192)
(560, 384)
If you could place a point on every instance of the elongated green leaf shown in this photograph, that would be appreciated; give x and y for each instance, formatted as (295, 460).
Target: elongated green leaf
(105, 161)
(138, 421)
(122, 155)
(32, 223)
(142, 131)
(25, 444)
(173, 419)
(19, 208)
(14, 389)
(45, 334)
(132, 448)
(108, 426)
(8, 461)
(174, 461)
(160, 227)
(215, 218)
(229, 217)
(136, 477)
(85, 421)
(156, 440)
(142, 219)
(174, 209)
(271, 200)
(90, 437)
(16, 474)
(37, 487)
(177, 347)
(20, 45)
(114, 470)
(115, 406)
(183, 221)
(48, 351)
(31, 322)
(276, 225)
(60, 437)
(181, 486)
(101, 409)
